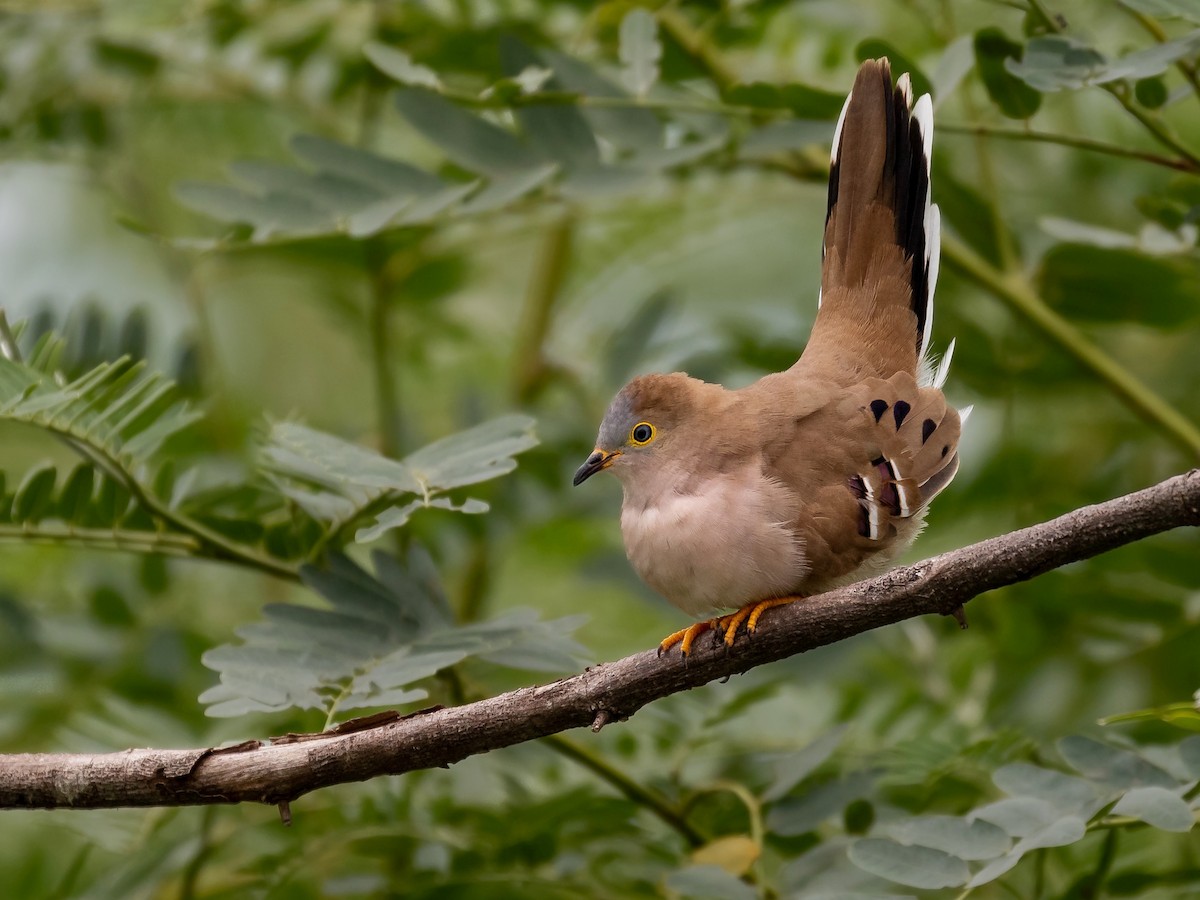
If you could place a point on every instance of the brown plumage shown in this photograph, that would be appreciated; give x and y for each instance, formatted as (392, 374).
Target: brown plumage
(821, 474)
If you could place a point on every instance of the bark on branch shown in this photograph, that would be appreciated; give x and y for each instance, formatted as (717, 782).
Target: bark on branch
(388, 744)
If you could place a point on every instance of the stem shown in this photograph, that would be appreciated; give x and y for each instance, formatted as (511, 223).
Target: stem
(562, 98)
(1152, 123)
(644, 796)
(1066, 140)
(530, 365)
(387, 402)
(1108, 852)
(191, 873)
(1015, 290)
(104, 539)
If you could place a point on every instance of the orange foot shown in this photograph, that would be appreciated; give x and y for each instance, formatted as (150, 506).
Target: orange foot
(687, 636)
(729, 625)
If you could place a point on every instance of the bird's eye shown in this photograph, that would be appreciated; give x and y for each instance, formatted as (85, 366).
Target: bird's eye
(643, 433)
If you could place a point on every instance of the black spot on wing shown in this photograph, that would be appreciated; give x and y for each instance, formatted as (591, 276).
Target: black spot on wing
(878, 407)
(901, 411)
(927, 428)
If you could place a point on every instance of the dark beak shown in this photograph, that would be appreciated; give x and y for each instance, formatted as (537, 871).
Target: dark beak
(597, 462)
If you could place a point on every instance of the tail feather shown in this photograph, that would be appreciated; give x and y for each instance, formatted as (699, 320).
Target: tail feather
(882, 233)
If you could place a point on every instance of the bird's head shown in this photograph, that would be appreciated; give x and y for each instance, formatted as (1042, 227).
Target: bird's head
(647, 422)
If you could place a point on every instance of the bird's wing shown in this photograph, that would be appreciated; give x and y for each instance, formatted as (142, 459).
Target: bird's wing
(864, 468)
(880, 256)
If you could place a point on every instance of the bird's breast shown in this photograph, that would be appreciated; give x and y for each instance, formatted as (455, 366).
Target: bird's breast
(724, 545)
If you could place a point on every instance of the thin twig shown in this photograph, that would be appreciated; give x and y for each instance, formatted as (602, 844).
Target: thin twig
(652, 800)
(1067, 140)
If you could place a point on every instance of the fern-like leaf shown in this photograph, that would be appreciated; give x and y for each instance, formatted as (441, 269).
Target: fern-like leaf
(119, 410)
(379, 636)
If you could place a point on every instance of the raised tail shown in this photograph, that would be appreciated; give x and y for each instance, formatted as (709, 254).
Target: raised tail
(882, 235)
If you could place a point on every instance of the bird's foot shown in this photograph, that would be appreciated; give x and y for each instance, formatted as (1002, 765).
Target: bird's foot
(749, 615)
(725, 628)
(686, 637)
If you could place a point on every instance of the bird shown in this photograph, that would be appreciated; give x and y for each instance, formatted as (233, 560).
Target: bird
(740, 500)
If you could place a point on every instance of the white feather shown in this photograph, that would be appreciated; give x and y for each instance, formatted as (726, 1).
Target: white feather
(837, 131)
(933, 262)
(943, 369)
(965, 413)
(904, 85)
(922, 112)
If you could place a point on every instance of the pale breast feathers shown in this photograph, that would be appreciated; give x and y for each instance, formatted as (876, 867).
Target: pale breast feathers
(720, 547)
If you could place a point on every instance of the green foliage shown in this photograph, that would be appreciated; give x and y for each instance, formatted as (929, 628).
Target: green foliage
(1013, 97)
(381, 635)
(121, 413)
(393, 222)
(1046, 808)
(1054, 63)
(339, 484)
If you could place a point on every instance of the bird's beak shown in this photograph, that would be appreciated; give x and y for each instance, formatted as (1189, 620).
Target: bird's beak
(597, 462)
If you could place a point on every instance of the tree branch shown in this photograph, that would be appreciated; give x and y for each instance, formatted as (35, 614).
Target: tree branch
(389, 744)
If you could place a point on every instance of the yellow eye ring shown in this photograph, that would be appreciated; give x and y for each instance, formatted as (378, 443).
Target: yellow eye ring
(641, 434)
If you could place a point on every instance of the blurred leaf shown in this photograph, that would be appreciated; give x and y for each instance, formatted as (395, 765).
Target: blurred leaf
(387, 177)
(640, 51)
(807, 102)
(331, 193)
(1189, 751)
(797, 815)
(1113, 766)
(969, 840)
(1151, 93)
(269, 212)
(35, 494)
(559, 131)
(971, 215)
(340, 484)
(465, 138)
(756, 95)
(76, 494)
(1098, 283)
(504, 190)
(792, 769)
(1014, 98)
(1066, 794)
(920, 867)
(709, 882)
(626, 127)
(397, 65)
(779, 136)
(1158, 807)
(1056, 62)
(1021, 817)
(1166, 9)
